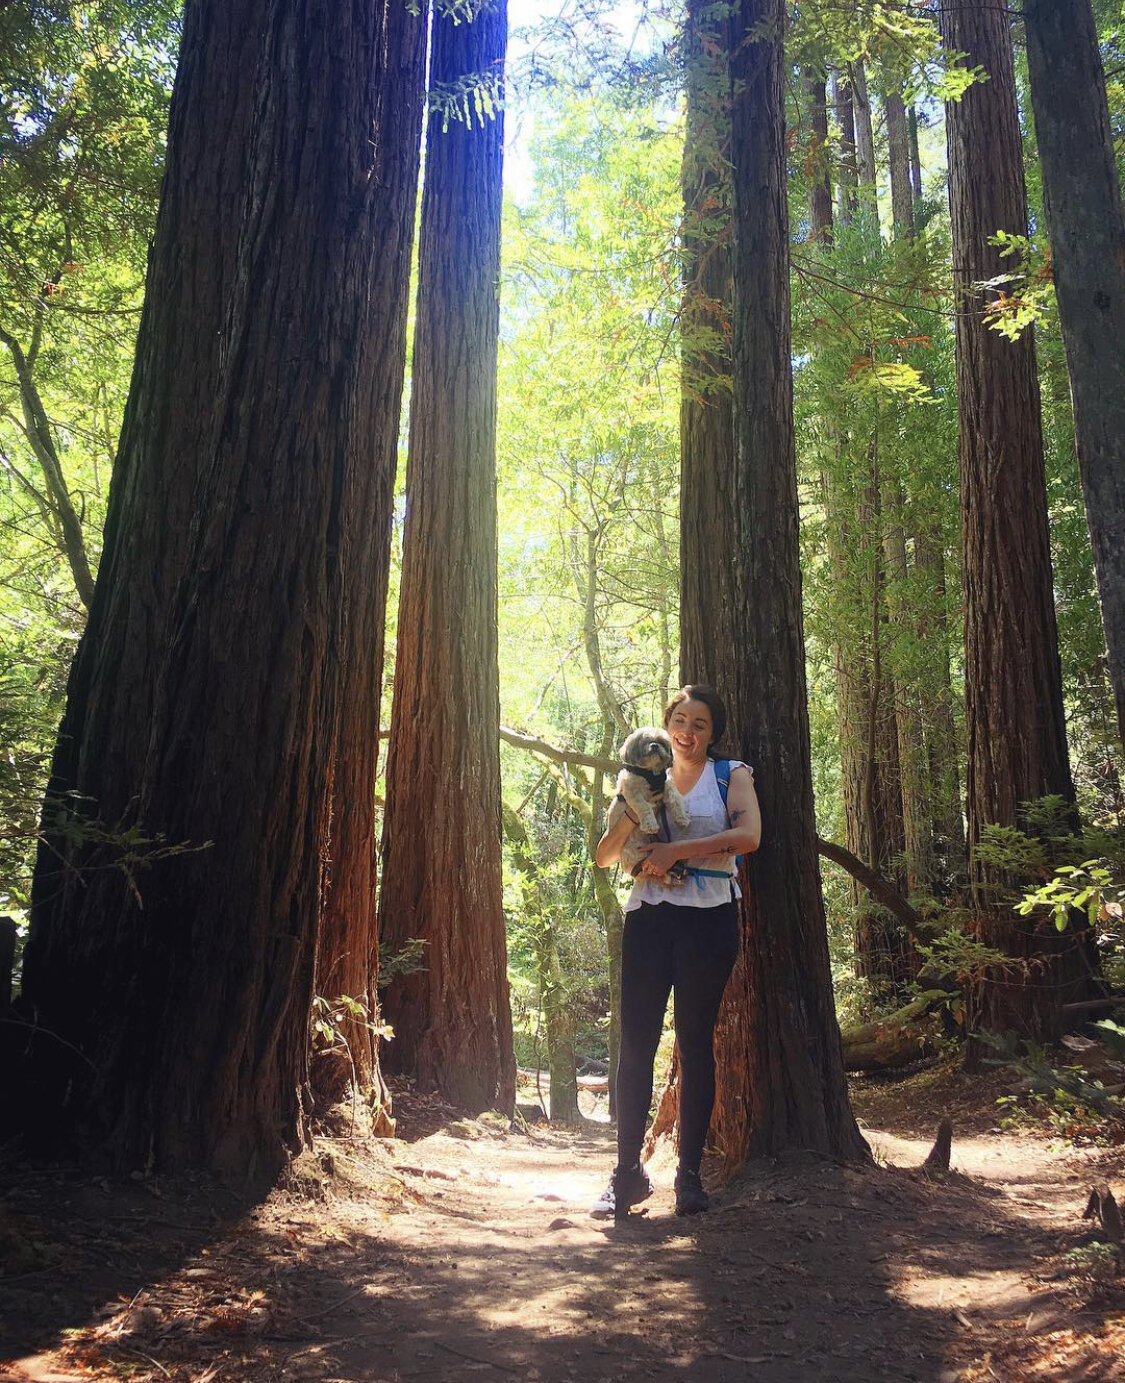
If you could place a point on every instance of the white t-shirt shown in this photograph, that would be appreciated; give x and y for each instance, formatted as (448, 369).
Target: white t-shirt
(708, 817)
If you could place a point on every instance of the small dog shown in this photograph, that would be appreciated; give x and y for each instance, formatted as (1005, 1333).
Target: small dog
(644, 785)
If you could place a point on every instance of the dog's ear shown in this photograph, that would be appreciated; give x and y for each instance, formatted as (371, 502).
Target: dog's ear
(623, 750)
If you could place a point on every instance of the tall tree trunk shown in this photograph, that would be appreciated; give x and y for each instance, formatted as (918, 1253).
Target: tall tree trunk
(898, 151)
(707, 494)
(780, 1073)
(204, 703)
(441, 843)
(848, 177)
(864, 130)
(915, 162)
(1017, 747)
(820, 177)
(1082, 197)
(348, 947)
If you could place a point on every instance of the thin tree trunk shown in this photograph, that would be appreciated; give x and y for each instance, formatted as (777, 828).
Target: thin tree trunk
(37, 429)
(442, 869)
(820, 179)
(780, 1075)
(204, 703)
(1017, 747)
(915, 162)
(898, 152)
(941, 728)
(864, 129)
(1082, 197)
(847, 180)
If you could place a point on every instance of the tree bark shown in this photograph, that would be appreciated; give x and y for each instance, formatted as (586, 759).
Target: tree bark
(820, 177)
(348, 945)
(898, 151)
(780, 1074)
(864, 130)
(442, 870)
(1082, 198)
(707, 494)
(1017, 746)
(204, 703)
(848, 177)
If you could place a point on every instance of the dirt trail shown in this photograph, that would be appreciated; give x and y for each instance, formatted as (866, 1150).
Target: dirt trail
(468, 1253)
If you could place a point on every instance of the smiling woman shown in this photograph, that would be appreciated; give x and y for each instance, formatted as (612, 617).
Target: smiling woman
(680, 936)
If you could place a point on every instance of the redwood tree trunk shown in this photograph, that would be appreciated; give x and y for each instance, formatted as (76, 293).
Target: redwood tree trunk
(1013, 688)
(1082, 197)
(441, 844)
(204, 703)
(707, 494)
(348, 945)
(780, 1073)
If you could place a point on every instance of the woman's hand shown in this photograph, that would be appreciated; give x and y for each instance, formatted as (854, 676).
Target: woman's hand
(659, 858)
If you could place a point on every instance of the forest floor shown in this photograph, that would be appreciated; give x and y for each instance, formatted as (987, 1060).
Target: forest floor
(460, 1251)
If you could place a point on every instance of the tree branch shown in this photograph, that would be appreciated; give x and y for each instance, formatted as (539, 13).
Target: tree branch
(909, 918)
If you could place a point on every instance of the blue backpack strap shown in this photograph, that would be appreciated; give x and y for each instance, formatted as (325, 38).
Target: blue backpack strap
(722, 778)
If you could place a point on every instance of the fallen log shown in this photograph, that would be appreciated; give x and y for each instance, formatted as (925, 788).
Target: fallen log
(897, 1040)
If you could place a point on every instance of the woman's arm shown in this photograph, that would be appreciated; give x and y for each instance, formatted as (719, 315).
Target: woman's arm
(616, 834)
(742, 838)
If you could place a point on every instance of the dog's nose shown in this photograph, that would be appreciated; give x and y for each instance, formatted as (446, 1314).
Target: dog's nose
(654, 747)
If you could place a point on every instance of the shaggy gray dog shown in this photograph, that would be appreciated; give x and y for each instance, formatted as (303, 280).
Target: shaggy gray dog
(643, 785)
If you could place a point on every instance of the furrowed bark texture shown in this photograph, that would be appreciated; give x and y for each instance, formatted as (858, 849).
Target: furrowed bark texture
(204, 702)
(1082, 195)
(441, 843)
(1013, 688)
(348, 946)
(780, 1073)
(707, 495)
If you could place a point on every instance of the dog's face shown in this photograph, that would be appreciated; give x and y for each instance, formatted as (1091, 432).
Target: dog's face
(648, 748)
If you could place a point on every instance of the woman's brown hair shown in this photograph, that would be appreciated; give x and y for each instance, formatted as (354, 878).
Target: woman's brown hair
(714, 703)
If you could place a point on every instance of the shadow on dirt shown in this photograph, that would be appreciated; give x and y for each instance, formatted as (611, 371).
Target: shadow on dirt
(802, 1272)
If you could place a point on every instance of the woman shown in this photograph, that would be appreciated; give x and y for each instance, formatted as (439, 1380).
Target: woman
(681, 937)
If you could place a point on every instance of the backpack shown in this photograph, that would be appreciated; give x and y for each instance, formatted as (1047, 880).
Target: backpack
(723, 769)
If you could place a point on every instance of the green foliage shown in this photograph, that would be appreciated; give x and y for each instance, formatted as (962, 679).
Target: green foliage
(1088, 887)
(956, 951)
(409, 959)
(1076, 1106)
(330, 1017)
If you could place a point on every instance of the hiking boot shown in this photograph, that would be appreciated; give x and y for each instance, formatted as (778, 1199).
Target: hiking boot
(691, 1198)
(628, 1186)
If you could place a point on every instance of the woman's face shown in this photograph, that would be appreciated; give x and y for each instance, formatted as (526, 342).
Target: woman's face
(691, 730)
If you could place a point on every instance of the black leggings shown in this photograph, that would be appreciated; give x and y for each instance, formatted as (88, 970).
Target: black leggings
(692, 950)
